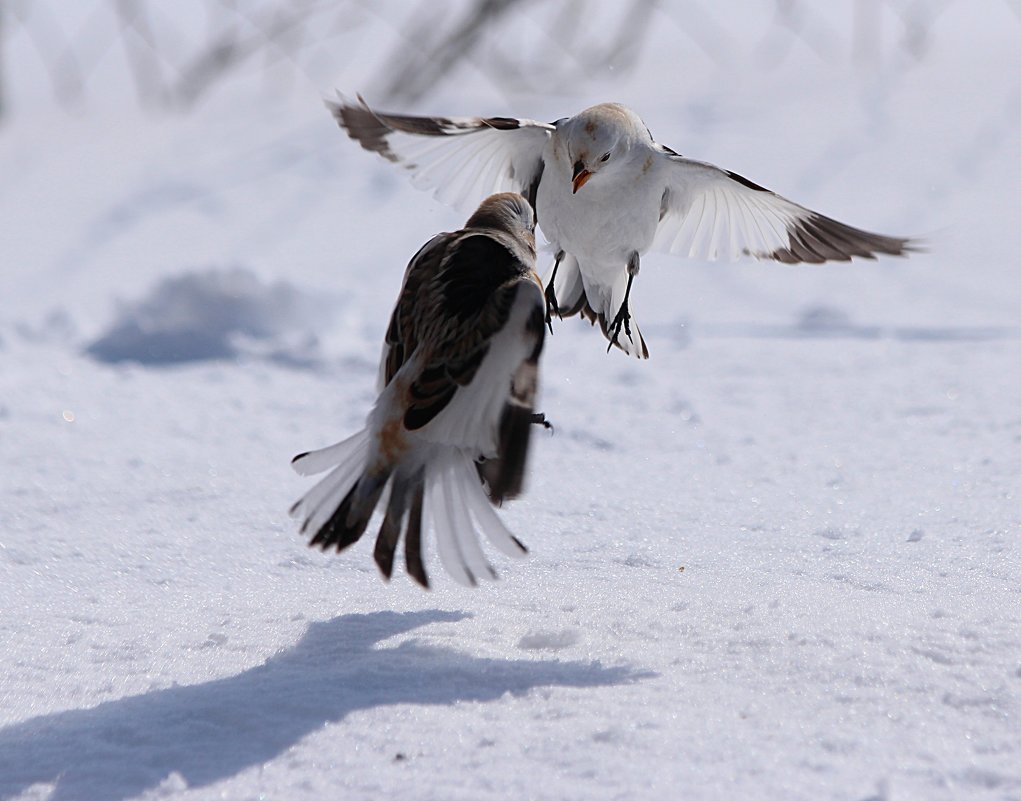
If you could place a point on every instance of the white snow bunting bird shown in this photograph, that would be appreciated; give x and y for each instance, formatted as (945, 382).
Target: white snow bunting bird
(604, 193)
(459, 376)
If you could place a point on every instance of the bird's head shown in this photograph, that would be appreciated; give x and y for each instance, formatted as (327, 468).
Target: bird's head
(598, 140)
(506, 211)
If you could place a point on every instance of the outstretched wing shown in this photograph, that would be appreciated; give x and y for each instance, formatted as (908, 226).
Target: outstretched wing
(713, 214)
(461, 159)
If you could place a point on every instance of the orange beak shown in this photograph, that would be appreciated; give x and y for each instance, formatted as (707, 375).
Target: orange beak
(581, 175)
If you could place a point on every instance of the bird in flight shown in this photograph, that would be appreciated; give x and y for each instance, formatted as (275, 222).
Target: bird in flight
(459, 376)
(605, 193)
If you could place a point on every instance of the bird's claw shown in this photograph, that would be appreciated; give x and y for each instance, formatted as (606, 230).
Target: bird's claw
(621, 320)
(552, 307)
(539, 419)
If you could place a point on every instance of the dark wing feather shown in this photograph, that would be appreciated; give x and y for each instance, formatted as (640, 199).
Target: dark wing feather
(401, 335)
(462, 300)
(505, 475)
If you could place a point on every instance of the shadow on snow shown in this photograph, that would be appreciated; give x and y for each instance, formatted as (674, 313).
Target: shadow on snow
(212, 731)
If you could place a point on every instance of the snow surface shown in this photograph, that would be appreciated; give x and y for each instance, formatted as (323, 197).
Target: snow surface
(779, 560)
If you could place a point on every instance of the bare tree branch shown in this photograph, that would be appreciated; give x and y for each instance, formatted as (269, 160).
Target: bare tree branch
(65, 73)
(569, 43)
(142, 51)
(418, 70)
(232, 47)
(794, 22)
(708, 35)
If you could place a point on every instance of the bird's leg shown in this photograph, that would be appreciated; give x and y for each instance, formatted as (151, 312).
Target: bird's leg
(623, 316)
(551, 296)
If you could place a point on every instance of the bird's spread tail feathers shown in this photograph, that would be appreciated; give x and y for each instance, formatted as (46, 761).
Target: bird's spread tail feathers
(338, 508)
(312, 462)
(350, 519)
(403, 512)
(318, 504)
(458, 510)
(446, 494)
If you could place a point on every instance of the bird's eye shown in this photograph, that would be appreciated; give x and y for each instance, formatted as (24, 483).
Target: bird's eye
(606, 157)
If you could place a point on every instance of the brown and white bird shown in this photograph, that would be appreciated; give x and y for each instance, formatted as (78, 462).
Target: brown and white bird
(604, 193)
(459, 376)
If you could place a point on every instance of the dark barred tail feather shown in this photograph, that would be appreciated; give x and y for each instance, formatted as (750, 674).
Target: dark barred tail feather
(413, 539)
(402, 491)
(350, 519)
(389, 533)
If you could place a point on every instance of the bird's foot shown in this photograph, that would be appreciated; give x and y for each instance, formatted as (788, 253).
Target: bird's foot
(552, 307)
(621, 320)
(539, 419)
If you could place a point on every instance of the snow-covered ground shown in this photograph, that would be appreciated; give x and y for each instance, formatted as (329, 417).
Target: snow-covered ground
(779, 560)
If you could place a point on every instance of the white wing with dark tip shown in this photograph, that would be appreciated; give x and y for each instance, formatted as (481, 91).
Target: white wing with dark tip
(712, 214)
(460, 159)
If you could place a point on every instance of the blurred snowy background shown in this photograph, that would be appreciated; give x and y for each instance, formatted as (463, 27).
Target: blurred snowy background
(196, 268)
